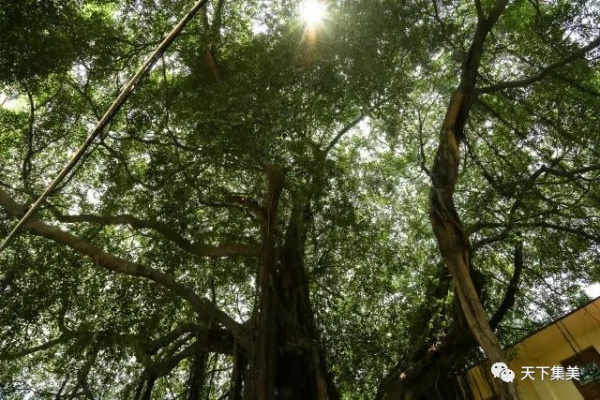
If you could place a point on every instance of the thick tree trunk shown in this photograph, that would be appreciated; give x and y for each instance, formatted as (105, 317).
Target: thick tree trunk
(419, 378)
(302, 371)
(197, 377)
(450, 233)
(288, 362)
(452, 238)
(448, 228)
(265, 331)
(238, 375)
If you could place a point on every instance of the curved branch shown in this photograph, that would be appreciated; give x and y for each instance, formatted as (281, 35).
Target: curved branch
(466, 93)
(452, 239)
(163, 367)
(45, 346)
(342, 132)
(201, 305)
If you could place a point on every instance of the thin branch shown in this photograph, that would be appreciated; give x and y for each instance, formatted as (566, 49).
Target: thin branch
(422, 158)
(118, 156)
(173, 335)
(574, 231)
(462, 101)
(561, 77)
(543, 72)
(165, 366)
(440, 21)
(342, 132)
(62, 387)
(573, 172)
(542, 224)
(576, 85)
(106, 119)
(484, 172)
(490, 239)
(216, 22)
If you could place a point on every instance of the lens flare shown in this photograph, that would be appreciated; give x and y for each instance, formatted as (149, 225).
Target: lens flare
(312, 12)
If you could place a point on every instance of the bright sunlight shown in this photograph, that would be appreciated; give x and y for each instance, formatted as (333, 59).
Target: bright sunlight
(312, 12)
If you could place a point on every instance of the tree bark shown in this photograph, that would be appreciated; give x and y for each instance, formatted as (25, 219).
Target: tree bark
(197, 377)
(288, 363)
(303, 373)
(450, 233)
(447, 226)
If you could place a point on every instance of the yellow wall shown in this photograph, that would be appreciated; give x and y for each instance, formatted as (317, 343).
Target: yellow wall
(547, 347)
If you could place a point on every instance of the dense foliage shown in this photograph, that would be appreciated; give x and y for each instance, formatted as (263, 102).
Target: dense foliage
(257, 138)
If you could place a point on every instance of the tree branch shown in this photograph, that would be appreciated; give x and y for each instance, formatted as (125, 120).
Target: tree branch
(342, 132)
(543, 72)
(45, 346)
(572, 173)
(440, 21)
(27, 161)
(452, 239)
(166, 365)
(422, 158)
(479, 8)
(513, 287)
(202, 250)
(201, 305)
(502, 235)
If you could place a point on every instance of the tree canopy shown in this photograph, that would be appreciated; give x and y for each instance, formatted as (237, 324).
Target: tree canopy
(292, 208)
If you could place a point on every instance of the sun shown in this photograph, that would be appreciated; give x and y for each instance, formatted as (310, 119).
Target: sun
(312, 12)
